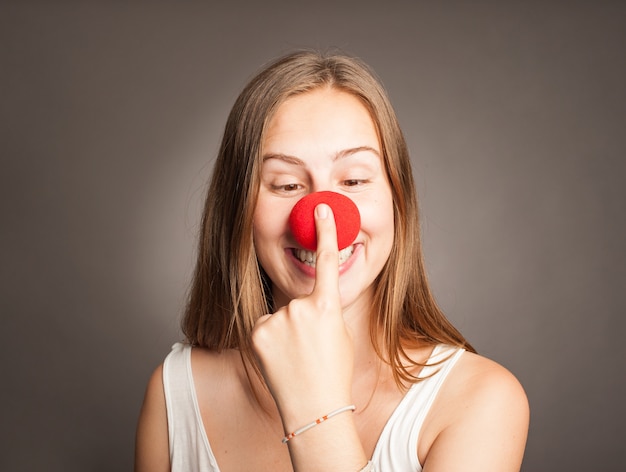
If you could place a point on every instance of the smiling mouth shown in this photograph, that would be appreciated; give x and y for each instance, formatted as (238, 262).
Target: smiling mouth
(309, 257)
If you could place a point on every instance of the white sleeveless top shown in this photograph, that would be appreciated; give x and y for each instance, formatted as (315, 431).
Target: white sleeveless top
(396, 449)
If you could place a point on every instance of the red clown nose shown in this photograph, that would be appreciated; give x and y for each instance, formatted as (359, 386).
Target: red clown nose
(302, 220)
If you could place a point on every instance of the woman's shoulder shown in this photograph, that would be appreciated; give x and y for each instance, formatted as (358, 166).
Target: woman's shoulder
(204, 372)
(478, 371)
(472, 377)
(481, 402)
(151, 448)
(478, 385)
(212, 365)
(486, 382)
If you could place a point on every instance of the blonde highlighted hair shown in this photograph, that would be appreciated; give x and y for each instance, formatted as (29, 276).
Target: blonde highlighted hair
(230, 290)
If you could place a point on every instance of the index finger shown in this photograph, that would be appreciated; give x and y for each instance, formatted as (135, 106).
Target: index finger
(327, 262)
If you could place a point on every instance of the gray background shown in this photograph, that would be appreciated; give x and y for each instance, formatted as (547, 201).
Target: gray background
(110, 118)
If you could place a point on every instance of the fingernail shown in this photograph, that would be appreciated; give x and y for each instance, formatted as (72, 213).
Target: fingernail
(321, 211)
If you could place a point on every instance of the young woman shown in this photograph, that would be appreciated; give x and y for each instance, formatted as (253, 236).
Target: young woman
(344, 355)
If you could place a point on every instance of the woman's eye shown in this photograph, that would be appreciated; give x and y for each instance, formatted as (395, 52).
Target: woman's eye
(287, 187)
(354, 182)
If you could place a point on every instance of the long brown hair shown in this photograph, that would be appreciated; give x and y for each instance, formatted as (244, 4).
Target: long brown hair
(230, 290)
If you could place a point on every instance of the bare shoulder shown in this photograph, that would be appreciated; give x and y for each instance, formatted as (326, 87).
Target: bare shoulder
(484, 381)
(479, 420)
(216, 379)
(151, 443)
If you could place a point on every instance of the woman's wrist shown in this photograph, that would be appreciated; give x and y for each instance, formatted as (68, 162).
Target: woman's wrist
(334, 444)
(297, 412)
(317, 421)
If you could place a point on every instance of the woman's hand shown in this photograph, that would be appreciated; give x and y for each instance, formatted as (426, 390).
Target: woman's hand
(304, 349)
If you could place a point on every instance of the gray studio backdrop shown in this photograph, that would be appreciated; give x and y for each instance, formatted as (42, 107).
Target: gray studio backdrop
(110, 117)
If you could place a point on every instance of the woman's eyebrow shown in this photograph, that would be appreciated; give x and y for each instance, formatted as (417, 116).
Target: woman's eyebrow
(355, 150)
(285, 158)
(289, 159)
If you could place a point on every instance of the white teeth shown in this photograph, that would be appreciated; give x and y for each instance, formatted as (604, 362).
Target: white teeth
(310, 257)
(345, 254)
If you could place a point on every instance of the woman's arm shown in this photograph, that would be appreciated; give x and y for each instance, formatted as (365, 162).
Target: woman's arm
(306, 356)
(485, 421)
(152, 448)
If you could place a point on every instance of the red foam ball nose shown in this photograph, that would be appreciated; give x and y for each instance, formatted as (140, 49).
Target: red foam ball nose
(302, 219)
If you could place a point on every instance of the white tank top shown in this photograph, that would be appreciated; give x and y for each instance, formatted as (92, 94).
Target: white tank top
(395, 451)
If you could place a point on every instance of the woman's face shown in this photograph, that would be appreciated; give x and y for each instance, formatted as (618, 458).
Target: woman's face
(322, 140)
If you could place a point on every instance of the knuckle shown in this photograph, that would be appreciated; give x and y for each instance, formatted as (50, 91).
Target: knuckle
(296, 306)
(261, 332)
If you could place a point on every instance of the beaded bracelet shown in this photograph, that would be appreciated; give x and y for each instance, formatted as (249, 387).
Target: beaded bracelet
(317, 421)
